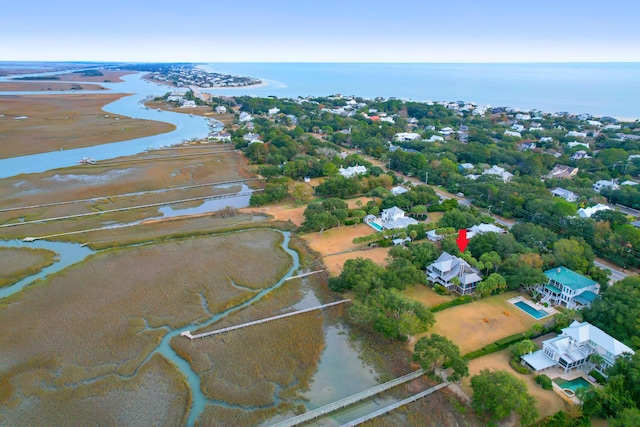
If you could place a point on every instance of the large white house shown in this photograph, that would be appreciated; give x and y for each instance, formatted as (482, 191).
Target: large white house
(588, 212)
(572, 348)
(446, 267)
(352, 171)
(394, 218)
(569, 196)
(500, 172)
(568, 288)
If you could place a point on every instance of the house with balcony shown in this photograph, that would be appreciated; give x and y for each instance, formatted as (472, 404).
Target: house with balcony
(447, 267)
(568, 288)
(573, 347)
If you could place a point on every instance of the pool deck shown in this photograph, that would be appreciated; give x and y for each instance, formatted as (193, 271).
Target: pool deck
(550, 310)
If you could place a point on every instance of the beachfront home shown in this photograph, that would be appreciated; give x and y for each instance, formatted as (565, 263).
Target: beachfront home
(573, 347)
(569, 196)
(446, 267)
(568, 288)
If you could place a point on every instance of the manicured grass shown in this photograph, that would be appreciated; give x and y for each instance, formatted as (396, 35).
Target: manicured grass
(427, 296)
(18, 263)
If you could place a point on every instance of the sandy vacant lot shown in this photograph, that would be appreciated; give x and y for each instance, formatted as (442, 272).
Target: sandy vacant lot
(41, 123)
(427, 296)
(334, 263)
(282, 211)
(548, 401)
(337, 240)
(472, 326)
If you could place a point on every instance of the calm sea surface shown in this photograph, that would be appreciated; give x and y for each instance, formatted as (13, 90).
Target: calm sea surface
(602, 89)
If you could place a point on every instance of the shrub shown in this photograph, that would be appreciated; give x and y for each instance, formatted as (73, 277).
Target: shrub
(598, 376)
(465, 299)
(507, 341)
(439, 290)
(544, 381)
(518, 367)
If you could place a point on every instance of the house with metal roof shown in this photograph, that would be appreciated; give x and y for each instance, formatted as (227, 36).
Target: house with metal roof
(394, 218)
(568, 288)
(447, 267)
(573, 347)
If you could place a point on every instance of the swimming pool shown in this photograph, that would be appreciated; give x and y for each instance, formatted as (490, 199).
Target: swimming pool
(572, 385)
(538, 314)
(375, 225)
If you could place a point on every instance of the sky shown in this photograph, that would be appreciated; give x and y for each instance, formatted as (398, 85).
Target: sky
(321, 31)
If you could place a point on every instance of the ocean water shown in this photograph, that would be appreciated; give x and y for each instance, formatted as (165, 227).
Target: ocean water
(601, 89)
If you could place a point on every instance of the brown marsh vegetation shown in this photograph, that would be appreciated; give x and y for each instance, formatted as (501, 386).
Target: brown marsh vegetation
(32, 86)
(99, 320)
(18, 263)
(55, 122)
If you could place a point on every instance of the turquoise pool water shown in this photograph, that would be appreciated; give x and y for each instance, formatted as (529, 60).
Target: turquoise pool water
(572, 385)
(375, 226)
(538, 314)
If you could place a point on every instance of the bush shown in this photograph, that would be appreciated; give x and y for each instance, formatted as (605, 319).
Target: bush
(465, 299)
(518, 367)
(439, 290)
(511, 339)
(544, 381)
(598, 376)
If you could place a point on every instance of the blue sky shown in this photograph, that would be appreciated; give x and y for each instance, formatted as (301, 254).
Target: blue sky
(321, 31)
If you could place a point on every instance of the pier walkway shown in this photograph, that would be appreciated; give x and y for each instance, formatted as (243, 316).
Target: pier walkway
(350, 400)
(257, 322)
(303, 275)
(395, 405)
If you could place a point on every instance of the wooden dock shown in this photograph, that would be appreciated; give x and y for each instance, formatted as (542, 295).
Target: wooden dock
(395, 405)
(303, 275)
(350, 400)
(257, 322)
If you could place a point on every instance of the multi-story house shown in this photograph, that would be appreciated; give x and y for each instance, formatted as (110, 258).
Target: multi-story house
(573, 347)
(447, 267)
(568, 288)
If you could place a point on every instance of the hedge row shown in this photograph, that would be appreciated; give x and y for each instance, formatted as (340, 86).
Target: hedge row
(465, 299)
(501, 344)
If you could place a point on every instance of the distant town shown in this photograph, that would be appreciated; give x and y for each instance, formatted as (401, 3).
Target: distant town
(187, 75)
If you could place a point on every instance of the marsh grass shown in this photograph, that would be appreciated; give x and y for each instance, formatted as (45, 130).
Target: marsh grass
(245, 367)
(223, 417)
(18, 263)
(92, 317)
(157, 395)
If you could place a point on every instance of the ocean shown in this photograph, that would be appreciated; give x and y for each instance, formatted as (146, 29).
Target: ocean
(601, 89)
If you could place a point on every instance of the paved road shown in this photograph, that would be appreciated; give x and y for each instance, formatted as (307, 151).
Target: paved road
(616, 273)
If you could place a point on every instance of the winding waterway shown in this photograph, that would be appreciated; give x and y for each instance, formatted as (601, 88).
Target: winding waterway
(338, 354)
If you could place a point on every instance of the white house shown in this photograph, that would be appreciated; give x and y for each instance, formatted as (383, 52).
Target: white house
(568, 288)
(572, 348)
(498, 171)
(576, 134)
(273, 111)
(245, 117)
(517, 127)
(569, 196)
(482, 229)
(352, 171)
(587, 212)
(188, 104)
(603, 183)
(632, 183)
(434, 138)
(221, 109)
(446, 131)
(406, 136)
(576, 143)
(393, 218)
(396, 191)
(512, 133)
(446, 267)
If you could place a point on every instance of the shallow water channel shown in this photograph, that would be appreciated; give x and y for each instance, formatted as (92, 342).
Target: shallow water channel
(340, 371)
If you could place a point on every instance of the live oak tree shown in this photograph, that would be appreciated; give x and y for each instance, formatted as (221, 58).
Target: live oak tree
(437, 351)
(497, 393)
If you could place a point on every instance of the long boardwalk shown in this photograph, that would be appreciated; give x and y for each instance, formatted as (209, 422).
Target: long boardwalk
(395, 405)
(303, 275)
(257, 322)
(350, 400)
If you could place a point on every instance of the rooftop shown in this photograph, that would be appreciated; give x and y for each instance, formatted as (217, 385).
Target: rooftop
(569, 278)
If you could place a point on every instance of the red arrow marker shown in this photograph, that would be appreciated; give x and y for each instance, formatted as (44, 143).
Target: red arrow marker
(462, 240)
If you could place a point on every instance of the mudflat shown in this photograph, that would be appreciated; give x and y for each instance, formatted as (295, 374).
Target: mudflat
(41, 123)
(44, 86)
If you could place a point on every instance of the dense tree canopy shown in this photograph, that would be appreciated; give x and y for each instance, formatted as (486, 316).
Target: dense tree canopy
(497, 393)
(437, 351)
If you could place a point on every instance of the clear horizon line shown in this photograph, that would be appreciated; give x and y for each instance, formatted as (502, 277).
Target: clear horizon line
(311, 62)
